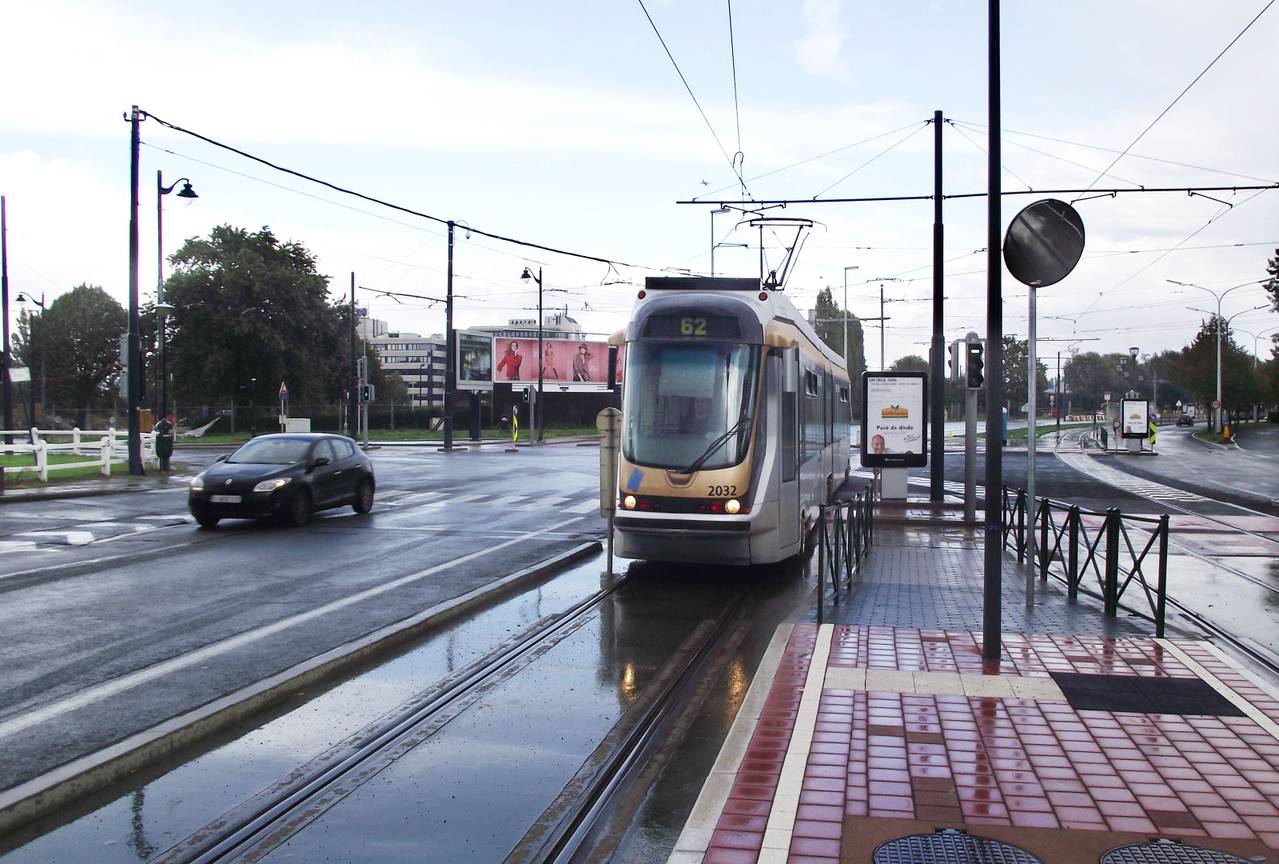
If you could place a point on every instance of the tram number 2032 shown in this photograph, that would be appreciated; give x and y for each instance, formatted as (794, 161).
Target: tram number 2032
(721, 491)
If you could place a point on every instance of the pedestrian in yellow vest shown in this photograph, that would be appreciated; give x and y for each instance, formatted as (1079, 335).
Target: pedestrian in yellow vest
(1151, 429)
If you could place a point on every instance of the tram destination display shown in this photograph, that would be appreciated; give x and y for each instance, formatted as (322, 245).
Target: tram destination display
(894, 420)
(692, 326)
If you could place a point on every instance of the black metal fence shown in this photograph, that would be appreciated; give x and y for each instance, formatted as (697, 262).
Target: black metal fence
(845, 533)
(1110, 547)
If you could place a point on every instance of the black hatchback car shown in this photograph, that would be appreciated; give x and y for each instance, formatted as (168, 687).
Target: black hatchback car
(284, 476)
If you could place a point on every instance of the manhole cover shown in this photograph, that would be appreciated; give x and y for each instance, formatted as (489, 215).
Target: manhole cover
(950, 847)
(1167, 852)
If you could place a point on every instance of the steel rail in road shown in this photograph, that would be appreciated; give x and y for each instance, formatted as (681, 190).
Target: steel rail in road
(569, 836)
(273, 818)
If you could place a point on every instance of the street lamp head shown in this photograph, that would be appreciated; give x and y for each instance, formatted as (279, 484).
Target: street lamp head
(525, 276)
(163, 310)
(1133, 352)
(186, 191)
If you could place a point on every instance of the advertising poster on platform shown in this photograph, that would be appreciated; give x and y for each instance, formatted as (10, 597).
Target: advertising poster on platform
(474, 361)
(894, 420)
(578, 364)
(1135, 417)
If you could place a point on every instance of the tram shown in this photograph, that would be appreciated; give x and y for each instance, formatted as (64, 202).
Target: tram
(735, 424)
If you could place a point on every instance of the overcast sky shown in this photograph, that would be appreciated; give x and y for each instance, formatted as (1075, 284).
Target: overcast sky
(566, 124)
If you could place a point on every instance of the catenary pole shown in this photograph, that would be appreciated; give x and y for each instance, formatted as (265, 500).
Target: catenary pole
(353, 403)
(5, 384)
(937, 474)
(993, 552)
(450, 353)
(134, 348)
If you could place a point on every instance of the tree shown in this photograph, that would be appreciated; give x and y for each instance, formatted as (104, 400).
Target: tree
(1196, 368)
(80, 336)
(1016, 355)
(1272, 285)
(909, 363)
(829, 318)
(247, 306)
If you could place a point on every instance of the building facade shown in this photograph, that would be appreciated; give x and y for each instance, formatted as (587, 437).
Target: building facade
(418, 360)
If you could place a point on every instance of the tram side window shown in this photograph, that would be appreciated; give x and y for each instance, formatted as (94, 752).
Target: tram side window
(844, 413)
(812, 418)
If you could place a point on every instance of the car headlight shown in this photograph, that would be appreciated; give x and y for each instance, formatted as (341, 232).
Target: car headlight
(197, 483)
(273, 484)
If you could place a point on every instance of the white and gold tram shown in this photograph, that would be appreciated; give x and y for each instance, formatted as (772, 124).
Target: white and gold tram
(735, 424)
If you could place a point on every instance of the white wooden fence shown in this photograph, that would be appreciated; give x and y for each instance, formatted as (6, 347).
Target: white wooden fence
(107, 447)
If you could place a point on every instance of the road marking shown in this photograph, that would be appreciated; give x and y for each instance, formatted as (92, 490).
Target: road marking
(141, 676)
(1089, 466)
(583, 506)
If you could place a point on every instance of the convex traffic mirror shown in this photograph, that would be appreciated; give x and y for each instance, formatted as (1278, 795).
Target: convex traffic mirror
(1044, 242)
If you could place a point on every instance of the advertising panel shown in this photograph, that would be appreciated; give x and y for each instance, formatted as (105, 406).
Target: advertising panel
(894, 420)
(1135, 415)
(566, 363)
(474, 361)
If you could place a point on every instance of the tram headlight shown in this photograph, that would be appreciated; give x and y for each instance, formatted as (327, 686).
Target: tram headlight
(629, 502)
(732, 505)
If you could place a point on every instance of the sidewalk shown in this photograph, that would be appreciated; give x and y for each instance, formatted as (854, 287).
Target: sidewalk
(882, 734)
(119, 483)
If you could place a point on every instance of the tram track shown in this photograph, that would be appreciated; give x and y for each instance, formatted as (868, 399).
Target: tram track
(251, 830)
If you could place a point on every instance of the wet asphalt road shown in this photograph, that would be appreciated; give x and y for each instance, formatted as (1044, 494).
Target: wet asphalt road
(114, 624)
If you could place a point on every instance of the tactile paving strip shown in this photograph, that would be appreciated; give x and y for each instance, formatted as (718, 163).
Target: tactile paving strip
(1166, 852)
(950, 847)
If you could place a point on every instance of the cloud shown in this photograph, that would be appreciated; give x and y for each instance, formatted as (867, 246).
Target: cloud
(819, 49)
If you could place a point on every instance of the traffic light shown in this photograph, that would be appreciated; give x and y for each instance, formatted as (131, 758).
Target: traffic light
(366, 393)
(527, 393)
(976, 364)
(954, 361)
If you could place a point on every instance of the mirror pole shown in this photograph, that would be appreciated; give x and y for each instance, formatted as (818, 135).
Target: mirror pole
(993, 560)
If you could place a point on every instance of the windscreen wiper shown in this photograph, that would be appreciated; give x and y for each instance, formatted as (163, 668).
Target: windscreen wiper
(715, 445)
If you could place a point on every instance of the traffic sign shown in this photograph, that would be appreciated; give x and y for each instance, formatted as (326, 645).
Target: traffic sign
(1215, 404)
(1107, 396)
(284, 392)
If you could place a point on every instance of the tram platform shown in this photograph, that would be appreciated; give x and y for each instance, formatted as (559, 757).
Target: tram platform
(881, 734)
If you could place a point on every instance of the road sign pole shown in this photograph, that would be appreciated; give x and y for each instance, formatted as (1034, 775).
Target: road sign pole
(608, 422)
(970, 448)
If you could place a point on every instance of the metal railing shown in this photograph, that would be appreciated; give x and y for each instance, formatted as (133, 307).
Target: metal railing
(1114, 551)
(846, 530)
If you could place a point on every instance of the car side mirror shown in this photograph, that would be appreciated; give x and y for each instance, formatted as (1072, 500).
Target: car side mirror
(319, 460)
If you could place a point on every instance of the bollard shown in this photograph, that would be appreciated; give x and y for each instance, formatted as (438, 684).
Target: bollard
(1072, 568)
(1021, 526)
(1161, 600)
(1044, 555)
(1112, 562)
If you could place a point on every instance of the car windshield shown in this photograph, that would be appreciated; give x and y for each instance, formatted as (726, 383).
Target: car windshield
(272, 451)
(689, 406)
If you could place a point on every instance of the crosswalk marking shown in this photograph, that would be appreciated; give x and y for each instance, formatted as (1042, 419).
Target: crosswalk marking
(1089, 466)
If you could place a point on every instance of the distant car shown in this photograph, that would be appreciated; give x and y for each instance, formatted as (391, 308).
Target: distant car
(288, 477)
(1185, 420)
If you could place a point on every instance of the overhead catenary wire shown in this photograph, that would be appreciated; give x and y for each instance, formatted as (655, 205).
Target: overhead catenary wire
(1193, 82)
(883, 152)
(732, 54)
(982, 150)
(1005, 132)
(732, 163)
(527, 244)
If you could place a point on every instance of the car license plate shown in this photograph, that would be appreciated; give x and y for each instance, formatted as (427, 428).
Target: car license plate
(224, 499)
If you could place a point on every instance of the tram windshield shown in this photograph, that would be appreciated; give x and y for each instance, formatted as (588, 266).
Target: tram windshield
(689, 407)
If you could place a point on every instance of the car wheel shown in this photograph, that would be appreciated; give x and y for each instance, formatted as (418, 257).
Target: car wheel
(363, 502)
(206, 520)
(298, 512)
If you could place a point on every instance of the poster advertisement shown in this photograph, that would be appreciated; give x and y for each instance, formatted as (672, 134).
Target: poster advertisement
(1135, 416)
(564, 362)
(474, 361)
(894, 420)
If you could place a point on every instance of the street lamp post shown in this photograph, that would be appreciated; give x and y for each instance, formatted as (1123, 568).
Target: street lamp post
(1256, 340)
(25, 298)
(1218, 297)
(540, 408)
(160, 191)
(1220, 323)
(846, 269)
(5, 384)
